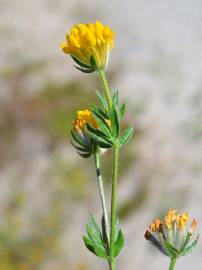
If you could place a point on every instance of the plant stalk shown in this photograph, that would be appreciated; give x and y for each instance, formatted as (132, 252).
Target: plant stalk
(101, 191)
(114, 176)
(114, 204)
(105, 87)
(172, 263)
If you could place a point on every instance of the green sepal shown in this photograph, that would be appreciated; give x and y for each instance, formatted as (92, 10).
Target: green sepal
(79, 62)
(77, 138)
(189, 249)
(114, 122)
(102, 100)
(94, 240)
(126, 136)
(93, 63)
(82, 149)
(84, 155)
(85, 70)
(123, 110)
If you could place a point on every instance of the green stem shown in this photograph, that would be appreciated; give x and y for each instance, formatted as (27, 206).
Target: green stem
(101, 190)
(114, 175)
(105, 87)
(114, 204)
(172, 263)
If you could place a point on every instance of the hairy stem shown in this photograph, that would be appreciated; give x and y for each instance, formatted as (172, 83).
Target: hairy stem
(172, 263)
(102, 194)
(114, 176)
(114, 203)
(105, 87)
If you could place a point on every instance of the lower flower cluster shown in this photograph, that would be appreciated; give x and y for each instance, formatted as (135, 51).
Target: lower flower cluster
(170, 235)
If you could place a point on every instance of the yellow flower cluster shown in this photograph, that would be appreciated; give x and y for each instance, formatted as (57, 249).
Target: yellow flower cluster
(170, 235)
(86, 40)
(84, 117)
(180, 220)
(172, 220)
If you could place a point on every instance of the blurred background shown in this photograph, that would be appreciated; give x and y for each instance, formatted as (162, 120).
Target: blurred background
(46, 189)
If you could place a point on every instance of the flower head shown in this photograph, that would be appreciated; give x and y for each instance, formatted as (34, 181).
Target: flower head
(89, 45)
(85, 146)
(84, 121)
(84, 117)
(171, 236)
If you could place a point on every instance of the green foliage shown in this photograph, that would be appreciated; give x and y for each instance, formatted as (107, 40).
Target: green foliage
(109, 123)
(115, 125)
(126, 136)
(102, 100)
(119, 239)
(95, 240)
(123, 110)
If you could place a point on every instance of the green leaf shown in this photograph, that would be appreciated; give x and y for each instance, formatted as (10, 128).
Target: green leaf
(100, 111)
(93, 230)
(114, 122)
(189, 249)
(102, 123)
(98, 133)
(89, 244)
(99, 137)
(115, 99)
(123, 110)
(118, 243)
(85, 70)
(79, 62)
(126, 136)
(102, 100)
(94, 241)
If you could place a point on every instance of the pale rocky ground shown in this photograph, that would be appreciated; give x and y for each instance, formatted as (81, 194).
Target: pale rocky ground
(158, 64)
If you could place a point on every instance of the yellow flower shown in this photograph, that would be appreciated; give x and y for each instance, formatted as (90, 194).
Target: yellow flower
(168, 222)
(84, 117)
(155, 226)
(193, 226)
(182, 221)
(172, 214)
(170, 236)
(170, 218)
(87, 40)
